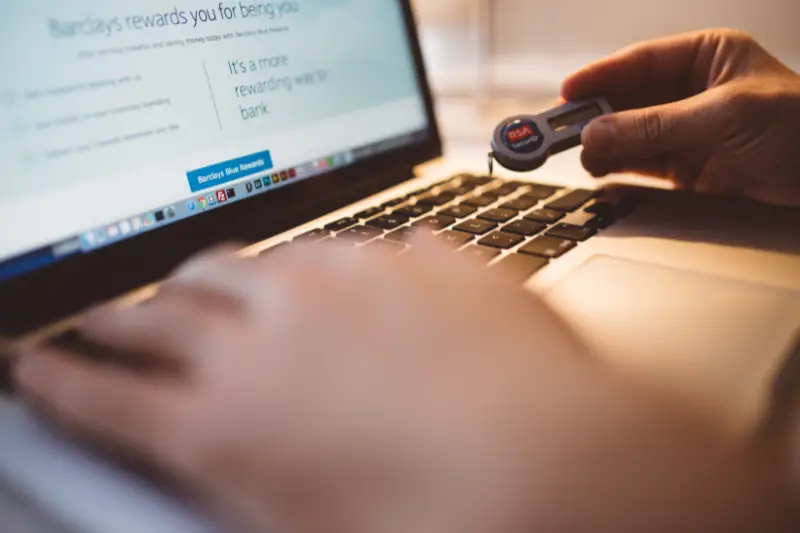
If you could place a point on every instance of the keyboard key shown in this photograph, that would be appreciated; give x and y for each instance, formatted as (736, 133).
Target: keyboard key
(581, 219)
(506, 188)
(476, 180)
(482, 200)
(437, 199)
(414, 211)
(525, 227)
(522, 203)
(549, 247)
(603, 209)
(401, 235)
(476, 226)
(342, 224)
(502, 240)
(456, 238)
(521, 267)
(546, 216)
(573, 233)
(541, 192)
(388, 222)
(609, 212)
(573, 200)
(314, 235)
(360, 234)
(436, 222)
(388, 246)
(462, 189)
(498, 215)
(369, 213)
(482, 253)
(459, 211)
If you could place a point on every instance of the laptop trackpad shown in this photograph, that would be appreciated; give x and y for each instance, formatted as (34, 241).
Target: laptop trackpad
(717, 342)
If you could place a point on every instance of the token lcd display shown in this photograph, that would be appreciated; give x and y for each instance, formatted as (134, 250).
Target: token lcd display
(576, 116)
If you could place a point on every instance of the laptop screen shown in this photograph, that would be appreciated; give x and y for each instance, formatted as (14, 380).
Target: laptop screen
(118, 118)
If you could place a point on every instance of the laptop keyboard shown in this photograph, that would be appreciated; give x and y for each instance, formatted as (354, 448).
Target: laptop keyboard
(517, 225)
(522, 226)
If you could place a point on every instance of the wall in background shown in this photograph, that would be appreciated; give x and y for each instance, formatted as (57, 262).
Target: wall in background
(538, 42)
(449, 42)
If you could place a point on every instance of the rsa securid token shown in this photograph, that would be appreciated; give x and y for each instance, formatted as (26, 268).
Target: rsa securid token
(525, 142)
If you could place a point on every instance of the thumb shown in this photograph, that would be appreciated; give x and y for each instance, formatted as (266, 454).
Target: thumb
(640, 134)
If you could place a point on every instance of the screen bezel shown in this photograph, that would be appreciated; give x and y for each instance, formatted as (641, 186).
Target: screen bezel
(56, 291)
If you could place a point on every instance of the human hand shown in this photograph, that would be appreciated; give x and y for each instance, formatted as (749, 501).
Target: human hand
(711, 111)
(330, 390)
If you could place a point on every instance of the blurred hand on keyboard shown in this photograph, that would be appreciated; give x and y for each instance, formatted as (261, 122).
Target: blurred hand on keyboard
(712, 111)
(326, 388)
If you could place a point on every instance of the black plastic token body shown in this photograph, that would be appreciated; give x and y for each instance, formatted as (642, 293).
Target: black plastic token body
(523, 143)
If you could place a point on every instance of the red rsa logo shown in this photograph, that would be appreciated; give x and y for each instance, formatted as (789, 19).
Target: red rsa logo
(520, 133)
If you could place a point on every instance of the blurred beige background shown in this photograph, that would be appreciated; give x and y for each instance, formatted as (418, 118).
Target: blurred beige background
(528, 46)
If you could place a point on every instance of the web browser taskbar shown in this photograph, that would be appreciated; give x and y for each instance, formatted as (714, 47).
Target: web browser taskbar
(214, 187)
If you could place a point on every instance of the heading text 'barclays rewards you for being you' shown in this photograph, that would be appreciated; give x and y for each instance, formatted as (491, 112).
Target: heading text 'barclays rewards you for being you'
(222, 11)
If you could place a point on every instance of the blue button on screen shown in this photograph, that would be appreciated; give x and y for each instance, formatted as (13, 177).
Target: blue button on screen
(235, 169)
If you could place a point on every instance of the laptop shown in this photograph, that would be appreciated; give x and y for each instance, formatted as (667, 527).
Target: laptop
(137, 134)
